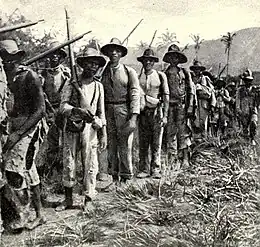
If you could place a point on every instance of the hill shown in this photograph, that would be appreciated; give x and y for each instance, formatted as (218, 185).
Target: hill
(243, 54)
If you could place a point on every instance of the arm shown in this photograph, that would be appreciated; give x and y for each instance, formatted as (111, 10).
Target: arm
(101, 115)
(134, 93)
(226, 97)
(191, 93)
(35, 91)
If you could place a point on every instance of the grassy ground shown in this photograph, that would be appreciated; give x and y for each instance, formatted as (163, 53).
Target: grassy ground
(214, 203)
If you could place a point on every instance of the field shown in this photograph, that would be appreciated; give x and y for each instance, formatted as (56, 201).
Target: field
(216, 202)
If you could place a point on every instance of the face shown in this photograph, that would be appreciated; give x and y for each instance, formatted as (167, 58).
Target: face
(197, 71)
(248, 82)
(148, 63)
(174, 60)
(9, 64)
(90, 67)
(55, 59)
(114, 54)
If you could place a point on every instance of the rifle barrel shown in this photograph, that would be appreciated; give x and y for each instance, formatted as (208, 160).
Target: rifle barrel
(18, 26)
(46, 53)
(132, 31)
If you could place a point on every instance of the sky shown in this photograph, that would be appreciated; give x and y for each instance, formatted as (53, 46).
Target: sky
(116, 18)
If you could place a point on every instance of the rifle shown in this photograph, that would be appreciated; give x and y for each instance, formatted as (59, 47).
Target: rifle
(18, 26)
(74, 77)
(126, 39)
(48, 52)
(148, 47)
(222, 71)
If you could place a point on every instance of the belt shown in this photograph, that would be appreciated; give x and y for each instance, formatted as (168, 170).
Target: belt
(176, 103)
(119, 102)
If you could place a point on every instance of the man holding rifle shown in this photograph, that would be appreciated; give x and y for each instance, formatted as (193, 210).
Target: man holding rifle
(82, 104)
(55, 78)
(21, 146)
(153, 115)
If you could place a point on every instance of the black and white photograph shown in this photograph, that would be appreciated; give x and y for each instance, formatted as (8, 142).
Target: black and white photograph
(129, 123)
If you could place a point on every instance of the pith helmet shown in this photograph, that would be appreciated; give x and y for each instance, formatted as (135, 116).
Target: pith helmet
(9, 48)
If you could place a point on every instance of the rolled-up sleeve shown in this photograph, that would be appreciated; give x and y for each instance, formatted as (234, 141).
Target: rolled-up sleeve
(134, 91)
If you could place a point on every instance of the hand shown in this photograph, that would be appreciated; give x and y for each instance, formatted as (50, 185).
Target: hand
(50, 119)
(130, 125)
(83, 114)
(103, 143)
(97, 123)
(164, 121)
(11, 141)
(189, 113)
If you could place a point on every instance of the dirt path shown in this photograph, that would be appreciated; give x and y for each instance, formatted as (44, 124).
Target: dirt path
(53, 217)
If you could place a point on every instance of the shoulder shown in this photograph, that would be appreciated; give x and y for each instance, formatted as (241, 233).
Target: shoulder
(27, 73)
(130, 69)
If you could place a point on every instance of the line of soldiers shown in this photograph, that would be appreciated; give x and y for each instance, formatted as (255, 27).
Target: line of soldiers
(170, 109)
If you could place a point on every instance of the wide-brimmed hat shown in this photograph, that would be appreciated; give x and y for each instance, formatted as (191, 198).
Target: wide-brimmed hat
(247, 75)
(90, 53)
(231, 84)
(114, 43)
(197, 65)
(61, 51)
(220, 82)
(148, 53)
(174, 50)
(211, 76)
(9, 48)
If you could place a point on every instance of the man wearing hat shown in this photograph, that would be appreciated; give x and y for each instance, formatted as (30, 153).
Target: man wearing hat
(219, 120)
(83, 102)
(153, 116)
(21, 146)
(122, 100)
(247, 106)
(230, 109)
(55, 78)
(181, 108)
(206, 101)
(3, 129)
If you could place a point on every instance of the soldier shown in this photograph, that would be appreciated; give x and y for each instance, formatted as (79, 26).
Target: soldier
(122, 101)
(230, 109)
(21, 145)
(219, 120)
(3, 131)
(153, 118)
(247, 107)
(55, 78)
(206, 101)
(181, 107)
(84, 104)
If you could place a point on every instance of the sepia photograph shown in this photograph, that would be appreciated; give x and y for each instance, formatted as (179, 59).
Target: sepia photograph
(129, 123)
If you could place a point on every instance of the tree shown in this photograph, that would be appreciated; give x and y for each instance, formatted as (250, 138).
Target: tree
(186, 47)
(166, 39)
(25, 39)
(198, 41)
(228, 40)
(142, 45)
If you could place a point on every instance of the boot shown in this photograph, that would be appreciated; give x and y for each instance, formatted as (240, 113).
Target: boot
(68, 203)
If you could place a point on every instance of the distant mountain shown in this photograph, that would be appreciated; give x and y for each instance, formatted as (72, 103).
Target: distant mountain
(245, 53)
